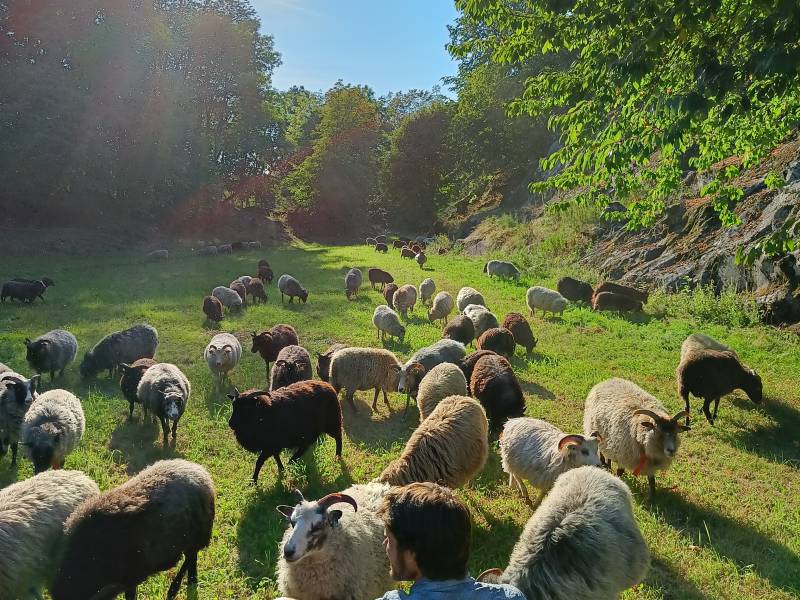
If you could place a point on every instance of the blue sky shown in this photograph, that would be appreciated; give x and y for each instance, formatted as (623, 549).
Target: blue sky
(390, 46)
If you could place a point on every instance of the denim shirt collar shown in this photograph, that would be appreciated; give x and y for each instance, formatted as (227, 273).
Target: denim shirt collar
(425, 584)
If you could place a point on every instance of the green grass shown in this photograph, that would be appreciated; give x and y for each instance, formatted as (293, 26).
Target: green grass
(726, 519)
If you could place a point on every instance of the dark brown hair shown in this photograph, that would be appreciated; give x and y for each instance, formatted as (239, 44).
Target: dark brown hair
(430, 521)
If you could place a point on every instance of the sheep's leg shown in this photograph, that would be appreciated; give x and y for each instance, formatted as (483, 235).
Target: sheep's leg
(651, 480)
(386, 401)
(337, 436)
(130, 410)
(260, 462)
(707, 412)
(620, 472)
(175, 428)
(277, 457)
(175, 586)
(14, 447)
(716, 406)
(192, 572)
(686, 408)
(130, 593)
(299, 452)
(281, 296)
(164, 428)
(375, 399)
(350, 394)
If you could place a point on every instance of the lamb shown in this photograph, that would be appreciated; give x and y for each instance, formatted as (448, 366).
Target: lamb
(208, 251)
(291, 417)
(387, 322)
(352, 282)
(616, 302)
(582, 542)
(26, 291)
(52, 428)
(482, 319)
(388, 294)
(381, 247)
(51, 352)
(158, 255)
(33, 513)
(499, 339)
(426, 290)
(634, 428)
(131, 376)
(519, 327)
(17, 393)
(292, 365)
(535, 450)
(229, 297)
(460, 329)
(699, 342)
(467, 296)
(575, 290)
(379, 276)
(165, 390)
(407, 252)
(711, 374)
(324, 361)
(441, 381)
(115, 541)
(269, 343)
(256, 290)
(289, 286)
(467, 365)
(501, 268)
(222, 354)
(441, 307)
(404, 299)
(265, 274)
(494, 384)
(421, 259)
(365, 369)
(212, 308)
(139, 341)
(610, 286)
(548, 301)
(449, 447)
(225, 249)
(342, 549)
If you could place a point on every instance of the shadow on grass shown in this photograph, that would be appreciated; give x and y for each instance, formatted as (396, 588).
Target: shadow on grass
(671, 583)
(397, 346)
(138, 444)
(534, 389)
(363, 428)
(774, 441)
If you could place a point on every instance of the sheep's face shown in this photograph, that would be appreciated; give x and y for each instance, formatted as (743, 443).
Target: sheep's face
(303, 296)
(261, 341)
(172, 404)
(40, 446)
(19, 394)
(220, 356)
(310, 524)
(89, 366)
(409, 378)
(755, 390)
(660, 439)
(579, 451)
(36, 352)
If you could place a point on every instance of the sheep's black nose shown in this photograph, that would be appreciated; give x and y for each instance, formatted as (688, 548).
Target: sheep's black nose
(288, 552)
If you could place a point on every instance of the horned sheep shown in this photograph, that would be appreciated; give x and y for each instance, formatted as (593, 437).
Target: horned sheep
(165, 391)
(548, 301)
(467, 296)
(441, 307)
(51, 352)
(289, 286)
(440, 382)
(293, 364)
(17, 393)
(387, 322)
(354, 369)
(52, 428)
(222, 354)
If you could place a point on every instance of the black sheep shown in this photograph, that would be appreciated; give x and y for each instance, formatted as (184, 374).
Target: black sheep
(139, 341)
(617, 302)
(617, 288)
(131, 376)
(461, 329)
(468, 363)
(575, 290)
(496, 387)
(26, 290)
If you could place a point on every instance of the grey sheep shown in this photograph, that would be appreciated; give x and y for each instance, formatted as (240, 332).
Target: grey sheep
(222, 354)
(440, 382)
(229, 297)
(52, 428)
(208, 251)
(404, 299)
(443, 351)
(634, 428)
(165, 391)
(26, 290)
(536, 451)
(365, 369)
(289, 286)
(548, 301)
(33, 513)
(582, 542)
(387, 322)
(467, 296)
(501, 268)
(441, 307)
(17, 393)
(158, 255)
(700, 341)
(481, 318)
(139, 341)
(225, 249)
(51, 352)
(352, 282)
(426, 290)
(118, 539)
(292, 365)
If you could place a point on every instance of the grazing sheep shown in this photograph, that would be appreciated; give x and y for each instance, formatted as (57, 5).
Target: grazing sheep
(699, 342)
(381, 239)
(423, 360)
(115, 541)
(519, 327)
(449, 447)
(548, 301)
(212, 309)
(441, 381)
(494, 384)
(467, 365)
(158, 255)
(501, 268)
(441, 307)
(416, 249)
(575, 290)
(230, 298)
(26, 291)
(582, 542)
(711, 374)
(33, 513)
(289, 286)
(239, 288)
(387, 322)
(165, 390)
(407, 252)
(244, 280)
(467, 296)
(324, 361)
(293, 364)
(256, 290)
(265, 274)
(208, 251)
(404, 299)
(17, 393)
(460, 329)
(609, 286)
(139, 341)
(256, 245)
(426, 290)
(365, 369)
(388, 294)
(131, 376)
(352, 282)
(238, 246)
(634, 428)
(421, 259)
(342, 549)
(380, 247)
(51, 352)
(482, 319)
(398, 244)
(379, 276)
(269, 343)
(222, 354)
(225, 249)
(535, 450)
(370, 241)
(292, 417)
(499, 339)
(616, 302)
(52, 428)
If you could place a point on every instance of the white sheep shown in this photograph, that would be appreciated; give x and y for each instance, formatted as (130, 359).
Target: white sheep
(222, 354)
(165, 390)
(443, 380)
(365, 369)
(33, 513)
(467, 296)
(229, 298)
(548, 301)
(426, 290)
(52, 428)
(387, 322)
(482, 319)
(535, 450)
(442, 306)
(501, 268)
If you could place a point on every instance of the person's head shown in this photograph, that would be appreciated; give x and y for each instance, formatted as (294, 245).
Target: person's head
(428, 532)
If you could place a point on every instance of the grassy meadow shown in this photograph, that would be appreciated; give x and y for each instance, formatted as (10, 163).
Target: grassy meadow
(726, 519)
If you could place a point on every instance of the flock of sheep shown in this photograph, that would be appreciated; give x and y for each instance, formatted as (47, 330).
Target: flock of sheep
(464, 402)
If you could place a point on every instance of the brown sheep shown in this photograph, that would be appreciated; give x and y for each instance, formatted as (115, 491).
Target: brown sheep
(379, 276)
(398, 244)
(256, 290)
(575, 290)
(499, 339)
(407, 253)
(388, 294)
(270, 343)
(468, 363)
(238, 287)
(381, 247)
(265, 274)
(610, 286)
(519, 327)
(460, 329)
(614, 301)
(212, 308)
(494, 384)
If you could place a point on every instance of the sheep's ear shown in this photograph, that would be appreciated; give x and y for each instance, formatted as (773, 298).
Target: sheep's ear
(333, 517)
(234, 395)
(27, 341)
(35, 381)
(596, 434)
(285, 510)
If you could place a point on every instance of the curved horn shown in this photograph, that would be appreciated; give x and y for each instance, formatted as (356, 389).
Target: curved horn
(300, 494)
(649, 413)
(12, 378)
(570, 438)
(490, 575)
(336, 497)
(679, 415)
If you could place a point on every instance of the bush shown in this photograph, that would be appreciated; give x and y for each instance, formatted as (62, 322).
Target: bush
(728, 308)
